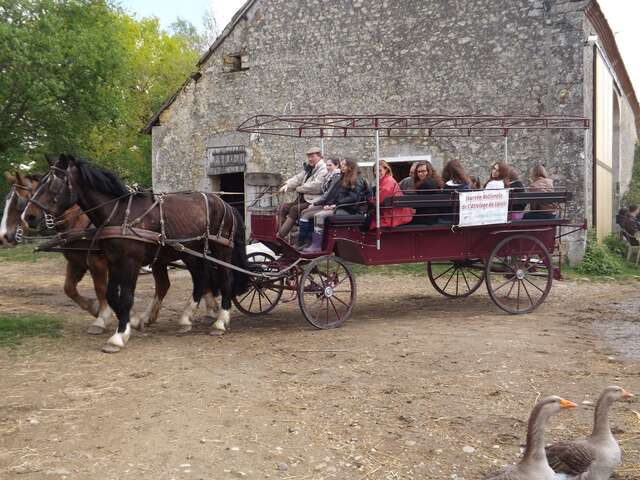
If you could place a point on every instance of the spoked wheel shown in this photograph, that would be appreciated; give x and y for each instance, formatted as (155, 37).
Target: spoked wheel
(327, 292)
(519, 274)
(456, 279)
(264, 293)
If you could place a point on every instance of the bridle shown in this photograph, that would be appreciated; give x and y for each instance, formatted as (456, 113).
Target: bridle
(55, 186)
(21, 204)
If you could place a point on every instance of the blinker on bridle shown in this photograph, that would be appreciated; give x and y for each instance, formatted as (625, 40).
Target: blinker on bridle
(21, 204)
(55, 185)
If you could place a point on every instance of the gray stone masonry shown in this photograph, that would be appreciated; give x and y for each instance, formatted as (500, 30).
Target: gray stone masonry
(400, 56)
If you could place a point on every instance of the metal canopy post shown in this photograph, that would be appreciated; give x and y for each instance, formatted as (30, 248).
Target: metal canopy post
(377, 174)
(506, 149)
(322, 146)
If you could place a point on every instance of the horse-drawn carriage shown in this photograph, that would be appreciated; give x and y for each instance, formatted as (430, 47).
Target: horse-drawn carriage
(513, 258)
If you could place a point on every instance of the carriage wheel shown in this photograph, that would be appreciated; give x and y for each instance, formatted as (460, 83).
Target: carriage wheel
(327, 292)
(456, 279)
(519, 274)
(264, 293)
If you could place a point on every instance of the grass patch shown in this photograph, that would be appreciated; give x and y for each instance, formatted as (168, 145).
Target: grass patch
(413, 269)
(20, 253)
(15, 328)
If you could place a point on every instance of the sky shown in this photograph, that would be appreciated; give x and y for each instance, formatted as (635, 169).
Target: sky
(623, 17)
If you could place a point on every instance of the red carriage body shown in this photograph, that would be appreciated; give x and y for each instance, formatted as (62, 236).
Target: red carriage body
(513, 259)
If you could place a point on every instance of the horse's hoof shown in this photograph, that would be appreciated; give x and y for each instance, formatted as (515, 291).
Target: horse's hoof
(110, 348)
(95, 330)
(216, 333)
(206, 320)
(184, 329)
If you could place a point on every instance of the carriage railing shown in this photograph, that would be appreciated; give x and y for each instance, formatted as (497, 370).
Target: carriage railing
(445, 205)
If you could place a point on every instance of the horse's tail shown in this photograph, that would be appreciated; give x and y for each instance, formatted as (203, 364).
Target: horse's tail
(239, 256)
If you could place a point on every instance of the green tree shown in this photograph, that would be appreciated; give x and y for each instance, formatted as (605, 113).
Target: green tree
(82, 76)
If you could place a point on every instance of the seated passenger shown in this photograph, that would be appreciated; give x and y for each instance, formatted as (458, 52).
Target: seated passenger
(454, 178)
(541, 183)
(306, 217)
(426, 181)
(630, 225)
(345, 197)
(474, 183)
(406, 183)
(621, 215)
(516, 186)
(499, 177)
(307, 185)
(389, 217)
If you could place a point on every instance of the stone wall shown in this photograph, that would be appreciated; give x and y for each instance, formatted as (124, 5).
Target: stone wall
(400, 56)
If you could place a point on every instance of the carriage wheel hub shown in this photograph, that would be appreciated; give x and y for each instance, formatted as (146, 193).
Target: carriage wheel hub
(519, 274)
(328, 292)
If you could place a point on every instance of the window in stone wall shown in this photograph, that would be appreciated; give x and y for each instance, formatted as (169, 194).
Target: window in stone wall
(235, 62)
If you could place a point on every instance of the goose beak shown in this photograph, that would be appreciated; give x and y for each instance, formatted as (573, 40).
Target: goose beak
(567, 404)
(627, 394)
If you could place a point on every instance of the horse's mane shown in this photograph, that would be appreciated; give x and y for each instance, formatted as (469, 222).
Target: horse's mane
(101, 180)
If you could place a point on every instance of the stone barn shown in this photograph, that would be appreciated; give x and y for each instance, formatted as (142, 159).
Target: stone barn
(499, 57)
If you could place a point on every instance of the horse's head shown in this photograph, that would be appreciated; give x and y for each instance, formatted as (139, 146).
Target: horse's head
(22, 187)
(53, 195)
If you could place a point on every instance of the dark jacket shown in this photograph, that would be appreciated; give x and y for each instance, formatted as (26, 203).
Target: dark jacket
(630, 228)
(350, 200)
(331, 182)
(450, 215)
(518, 187)
(426, 215)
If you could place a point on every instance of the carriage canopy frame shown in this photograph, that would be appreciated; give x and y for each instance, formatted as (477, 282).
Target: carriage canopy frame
(378, 126)
(333, 125)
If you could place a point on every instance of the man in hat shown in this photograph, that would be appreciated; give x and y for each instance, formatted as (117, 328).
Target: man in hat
(307, 184)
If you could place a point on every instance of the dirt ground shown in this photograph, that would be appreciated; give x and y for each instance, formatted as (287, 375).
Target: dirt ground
(412, 386)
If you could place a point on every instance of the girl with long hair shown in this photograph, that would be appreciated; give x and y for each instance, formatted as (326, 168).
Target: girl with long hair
(389, 217)
(540, 182)
(499, 177)
(306, 216)
(346, 196)
(426, 181)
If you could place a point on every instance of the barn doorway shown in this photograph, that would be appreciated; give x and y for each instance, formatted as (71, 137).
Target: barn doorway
(233, 183)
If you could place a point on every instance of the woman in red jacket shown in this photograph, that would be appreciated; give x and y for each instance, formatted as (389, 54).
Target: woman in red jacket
(389, 217)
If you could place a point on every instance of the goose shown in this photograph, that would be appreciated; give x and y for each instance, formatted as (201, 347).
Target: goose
(594, 457)
(533, 465)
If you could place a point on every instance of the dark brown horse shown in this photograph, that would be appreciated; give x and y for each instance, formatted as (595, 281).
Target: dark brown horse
(78, 262)
(11, 231)
(135, 229)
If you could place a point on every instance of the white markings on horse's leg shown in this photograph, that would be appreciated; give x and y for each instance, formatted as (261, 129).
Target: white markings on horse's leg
(5, 216)
(150, 314)
(187, 314)
(211, 303)
(102, 321)
(222, 323)
(119, 339)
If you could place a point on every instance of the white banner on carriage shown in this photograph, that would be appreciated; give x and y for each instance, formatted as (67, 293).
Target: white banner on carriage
(486, 207)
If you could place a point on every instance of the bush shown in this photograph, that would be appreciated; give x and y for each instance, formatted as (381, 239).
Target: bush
(616, 245)
(598, 259)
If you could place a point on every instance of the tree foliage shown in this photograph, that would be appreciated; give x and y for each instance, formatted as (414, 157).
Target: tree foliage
(632, 196)
(82, 76)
